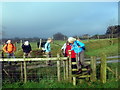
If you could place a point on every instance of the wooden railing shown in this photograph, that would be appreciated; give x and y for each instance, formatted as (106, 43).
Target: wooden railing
(67, 69)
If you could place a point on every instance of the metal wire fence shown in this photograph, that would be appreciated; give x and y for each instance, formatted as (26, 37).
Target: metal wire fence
(36, 71)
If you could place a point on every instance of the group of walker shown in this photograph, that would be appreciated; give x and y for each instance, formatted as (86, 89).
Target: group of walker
(74, 45)
(9, 48)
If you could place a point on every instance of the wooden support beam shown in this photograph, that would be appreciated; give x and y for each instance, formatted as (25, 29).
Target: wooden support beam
(21, 42)
(40, 44)
(34, 59)
(6, 73)
(74, 81)
(103, 68)
(67, 69)
(25, 71)
(21, 71)
(58, 68)
(64, 69)
(70, 67)
(93, 68)
(116, 74)
(110, 70)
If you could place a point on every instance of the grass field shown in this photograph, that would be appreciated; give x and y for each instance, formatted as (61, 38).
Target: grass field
(93, 48)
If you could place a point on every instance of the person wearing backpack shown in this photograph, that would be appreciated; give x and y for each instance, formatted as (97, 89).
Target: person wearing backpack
(26, 49)
(43, 47)
(79, 49)
(9, 48)
(48, 50)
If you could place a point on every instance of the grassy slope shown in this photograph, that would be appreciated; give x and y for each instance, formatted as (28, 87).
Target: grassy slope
(96, 48)
(93, 48)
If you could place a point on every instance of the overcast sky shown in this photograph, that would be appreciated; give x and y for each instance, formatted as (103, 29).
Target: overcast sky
(43, 19)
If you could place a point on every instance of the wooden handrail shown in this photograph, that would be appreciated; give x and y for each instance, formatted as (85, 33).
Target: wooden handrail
(34, 59)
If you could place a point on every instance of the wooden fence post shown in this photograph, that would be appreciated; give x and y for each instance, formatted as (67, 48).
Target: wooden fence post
(58, 67)
(93, 67)
(70, 67)
(74, 81)
(116, 74)
(25, 71)
(21, 43)
(64, 71)
(16, 45)
(67, 70)
(21, 71)
(40, 43)
(103, 69)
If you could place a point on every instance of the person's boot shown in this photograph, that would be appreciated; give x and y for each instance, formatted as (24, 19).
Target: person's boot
(15, 62)
(88, 69)
(9, 63)
(79, 71)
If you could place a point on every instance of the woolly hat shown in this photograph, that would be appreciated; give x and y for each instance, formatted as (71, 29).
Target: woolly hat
(8, 41)
(49, 38)
(26, 43)
(71, 39)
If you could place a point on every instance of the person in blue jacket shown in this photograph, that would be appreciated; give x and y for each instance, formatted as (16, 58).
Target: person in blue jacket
(48, 50)
(78, 48)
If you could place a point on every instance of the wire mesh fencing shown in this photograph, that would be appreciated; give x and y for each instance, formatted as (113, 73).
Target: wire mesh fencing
(35, 71)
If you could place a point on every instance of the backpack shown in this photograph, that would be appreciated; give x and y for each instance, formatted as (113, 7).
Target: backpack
(7, 46)
(79, 45)
(43, 44)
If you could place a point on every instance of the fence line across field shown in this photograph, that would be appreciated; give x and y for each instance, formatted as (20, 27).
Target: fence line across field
(55, 59)
(67, 67)
(33, 59)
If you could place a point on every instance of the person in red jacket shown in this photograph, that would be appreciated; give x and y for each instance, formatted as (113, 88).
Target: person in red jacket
(68, 48)
(65, 49)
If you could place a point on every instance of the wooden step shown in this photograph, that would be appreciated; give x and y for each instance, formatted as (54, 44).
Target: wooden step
(84, 76)
(73, 63)
(81, 76)
(83, 69)
(74, 69)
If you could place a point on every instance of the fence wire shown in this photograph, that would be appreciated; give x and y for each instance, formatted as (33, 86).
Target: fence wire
(36, 71)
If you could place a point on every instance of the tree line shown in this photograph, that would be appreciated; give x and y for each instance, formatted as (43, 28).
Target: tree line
(111, 32)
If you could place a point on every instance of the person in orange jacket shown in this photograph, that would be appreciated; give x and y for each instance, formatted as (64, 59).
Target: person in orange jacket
(9, 48)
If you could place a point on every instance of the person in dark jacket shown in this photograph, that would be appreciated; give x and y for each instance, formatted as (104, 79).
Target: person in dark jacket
(26, 49)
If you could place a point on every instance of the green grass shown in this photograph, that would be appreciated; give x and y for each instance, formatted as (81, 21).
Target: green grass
(45, 82)
(63, 84)
(108, 50)
(93, 48)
